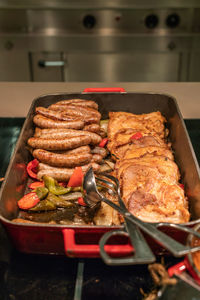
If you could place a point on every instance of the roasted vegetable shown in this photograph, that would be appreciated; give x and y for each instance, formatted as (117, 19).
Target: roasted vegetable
(32, 168)
(41, 192)
(44, 205)
(36, 184)
(54, 187)
(103, 143)
(58, 201)
(136, 136)
(81, 201)
(28, 201)
(77, 178)
(104, 125)
(71, 196)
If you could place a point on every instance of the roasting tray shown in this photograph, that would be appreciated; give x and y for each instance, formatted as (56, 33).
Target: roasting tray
(82, 241)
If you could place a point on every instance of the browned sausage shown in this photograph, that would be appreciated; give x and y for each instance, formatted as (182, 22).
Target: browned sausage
(92, 128)
(59, 144)
(99, 150)
(81, 149)
(43, 166)
(55, 115)
(75, 113)
(78, 111)
(62, 174)
(97, 158)
(64, 133)
(62, 160)
(44, 122)
(81, 102)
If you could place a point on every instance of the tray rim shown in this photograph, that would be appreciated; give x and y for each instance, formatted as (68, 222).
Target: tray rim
(91, 227)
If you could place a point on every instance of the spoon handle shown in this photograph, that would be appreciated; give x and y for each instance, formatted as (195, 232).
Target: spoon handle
(163, 239)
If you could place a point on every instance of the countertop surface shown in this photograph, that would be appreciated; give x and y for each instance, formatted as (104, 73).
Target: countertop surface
(16, 97)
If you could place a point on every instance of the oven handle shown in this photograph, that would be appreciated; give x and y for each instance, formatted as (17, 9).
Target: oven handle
(104, 90)
(49, 63)
(72, 249)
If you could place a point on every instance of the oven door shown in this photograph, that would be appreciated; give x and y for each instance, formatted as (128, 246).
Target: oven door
(104, 67)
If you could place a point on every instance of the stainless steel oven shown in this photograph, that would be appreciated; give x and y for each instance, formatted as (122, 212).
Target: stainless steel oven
(102, 41)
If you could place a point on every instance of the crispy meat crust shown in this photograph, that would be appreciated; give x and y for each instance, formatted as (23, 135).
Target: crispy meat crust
(145, 167)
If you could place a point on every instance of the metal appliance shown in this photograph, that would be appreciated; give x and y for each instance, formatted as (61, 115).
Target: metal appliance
(101, 41)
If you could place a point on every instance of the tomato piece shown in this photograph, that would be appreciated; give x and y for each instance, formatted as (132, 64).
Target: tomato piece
(181, 185)
(136, 136)
(32, 168)
(28, 201)
(36, 184)
(81, 201)
(103, 143)
(77, 178)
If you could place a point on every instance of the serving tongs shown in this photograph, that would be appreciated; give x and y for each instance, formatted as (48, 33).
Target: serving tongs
(142, 252)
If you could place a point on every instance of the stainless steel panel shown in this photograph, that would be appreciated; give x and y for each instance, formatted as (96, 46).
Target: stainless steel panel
(55, 4)
(14, 65)
(47, 66)
(122, 67)
(194, 67)
(106, 21)
(115, 36)
(13, 21)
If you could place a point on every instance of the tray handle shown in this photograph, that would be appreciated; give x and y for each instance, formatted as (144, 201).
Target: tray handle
(104, 90)
(72, 249)
(178, 268)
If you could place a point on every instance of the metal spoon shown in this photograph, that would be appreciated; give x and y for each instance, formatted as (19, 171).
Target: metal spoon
(142, 252)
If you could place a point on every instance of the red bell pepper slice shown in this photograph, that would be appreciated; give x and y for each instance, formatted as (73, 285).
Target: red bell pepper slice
(81, 201)
(36, 184)
(28, 201)
(77, 178)
(136, 136)
(103, 143)
(64, 184)
(32, 168)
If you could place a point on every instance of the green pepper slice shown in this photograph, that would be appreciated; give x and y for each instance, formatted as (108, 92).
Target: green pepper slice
(44, 205)
(59, 202)
(53, 187)
(41, 192)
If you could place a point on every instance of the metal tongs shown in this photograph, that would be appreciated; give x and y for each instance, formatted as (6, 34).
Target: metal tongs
(143, 253)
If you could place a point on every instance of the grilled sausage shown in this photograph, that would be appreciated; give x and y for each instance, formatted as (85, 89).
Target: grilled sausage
(75, 110)
(43, 166)
(44, 122)
(55, 115)
(62, 174)
(92, 128)
(99, 150)
(62, 160)
(59, 144)
(64, 133)
(82, 149)
(97, 158)
(79, 102)
(75, 113)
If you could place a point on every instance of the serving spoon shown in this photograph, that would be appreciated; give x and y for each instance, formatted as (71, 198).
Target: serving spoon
(93, 196)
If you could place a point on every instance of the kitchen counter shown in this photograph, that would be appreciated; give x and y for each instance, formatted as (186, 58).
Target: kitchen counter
(16, 98)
